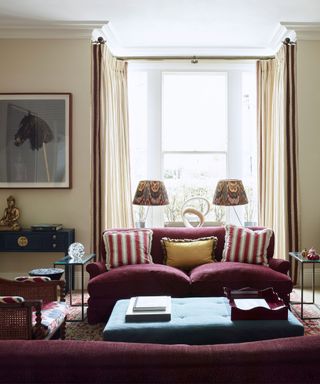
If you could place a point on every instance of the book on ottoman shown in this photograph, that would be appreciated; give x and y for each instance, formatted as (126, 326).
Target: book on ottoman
(149, 308)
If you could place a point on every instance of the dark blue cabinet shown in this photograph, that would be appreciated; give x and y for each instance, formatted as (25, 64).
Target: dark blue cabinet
(28, 240)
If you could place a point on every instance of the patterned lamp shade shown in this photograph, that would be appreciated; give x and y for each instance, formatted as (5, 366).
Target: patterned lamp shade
(230, 192)
(151, 192)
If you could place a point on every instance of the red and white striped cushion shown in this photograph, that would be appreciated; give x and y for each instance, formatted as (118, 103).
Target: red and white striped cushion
(11, 299)
(125, 247)
(34, 279)
(246, 246)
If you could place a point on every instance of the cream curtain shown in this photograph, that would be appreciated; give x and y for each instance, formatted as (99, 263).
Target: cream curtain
(277, 148)
(111, 186)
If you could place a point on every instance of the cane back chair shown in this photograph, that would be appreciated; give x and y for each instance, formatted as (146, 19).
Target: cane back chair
(32, 308)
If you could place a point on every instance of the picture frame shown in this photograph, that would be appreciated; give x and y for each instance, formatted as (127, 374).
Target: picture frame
(35, 140)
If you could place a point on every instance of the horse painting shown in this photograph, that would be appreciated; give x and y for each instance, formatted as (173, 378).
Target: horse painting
(35, 129)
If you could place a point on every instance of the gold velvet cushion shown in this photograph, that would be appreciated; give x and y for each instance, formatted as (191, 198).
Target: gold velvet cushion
(188, 253)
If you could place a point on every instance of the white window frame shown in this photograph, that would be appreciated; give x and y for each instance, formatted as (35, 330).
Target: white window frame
(155, 155)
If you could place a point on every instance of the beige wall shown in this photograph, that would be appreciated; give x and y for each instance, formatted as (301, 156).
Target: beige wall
(308, 80)
(53, 65)
(31, 65)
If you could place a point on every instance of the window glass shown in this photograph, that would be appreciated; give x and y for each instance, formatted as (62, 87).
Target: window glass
(194, 111)
(192, 175)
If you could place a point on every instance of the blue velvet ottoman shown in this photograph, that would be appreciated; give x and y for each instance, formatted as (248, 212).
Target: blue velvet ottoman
(197, 320)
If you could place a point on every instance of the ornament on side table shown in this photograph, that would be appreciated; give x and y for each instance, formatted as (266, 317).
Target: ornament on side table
(76, 251)
(311, 254)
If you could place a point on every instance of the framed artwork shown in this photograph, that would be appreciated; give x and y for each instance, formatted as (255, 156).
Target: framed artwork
(35, 140)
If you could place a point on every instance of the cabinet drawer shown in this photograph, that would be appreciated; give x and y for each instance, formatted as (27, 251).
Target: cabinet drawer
(35, 241)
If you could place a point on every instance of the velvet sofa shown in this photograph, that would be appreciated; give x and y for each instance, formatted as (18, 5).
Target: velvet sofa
(106, 287)
(289, 360)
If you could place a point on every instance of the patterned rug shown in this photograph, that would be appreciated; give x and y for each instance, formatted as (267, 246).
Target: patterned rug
(311, 327)
(83, 331)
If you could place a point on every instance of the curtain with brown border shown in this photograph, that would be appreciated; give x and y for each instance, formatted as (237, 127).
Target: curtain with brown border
(111, 186)
(278, 149)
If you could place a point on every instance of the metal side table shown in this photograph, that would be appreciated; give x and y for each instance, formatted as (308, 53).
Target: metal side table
(302, 261)
(70, 264)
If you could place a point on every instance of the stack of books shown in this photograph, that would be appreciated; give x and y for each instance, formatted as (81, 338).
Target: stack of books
(149, 308)
(46, 227)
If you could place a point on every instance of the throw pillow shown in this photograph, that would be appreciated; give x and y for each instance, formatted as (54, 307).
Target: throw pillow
(33, 279)
(246, 246)
(131, 246)
(186, 254)
(11, 299)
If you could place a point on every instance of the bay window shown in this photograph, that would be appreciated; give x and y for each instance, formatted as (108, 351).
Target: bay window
(190, 126)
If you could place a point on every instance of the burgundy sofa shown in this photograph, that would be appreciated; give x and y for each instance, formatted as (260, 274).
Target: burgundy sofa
(289, 360)
(106, 287)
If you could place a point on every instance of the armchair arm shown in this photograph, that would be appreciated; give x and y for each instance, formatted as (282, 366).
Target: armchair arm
(279, 265)
(96, 268)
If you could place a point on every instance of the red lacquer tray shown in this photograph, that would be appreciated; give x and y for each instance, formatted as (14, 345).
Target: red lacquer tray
(276, 310)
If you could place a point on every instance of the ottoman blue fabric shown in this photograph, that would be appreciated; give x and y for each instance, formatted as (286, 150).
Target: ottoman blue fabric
(197, 320)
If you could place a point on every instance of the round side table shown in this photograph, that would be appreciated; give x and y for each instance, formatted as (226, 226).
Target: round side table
(53, 273)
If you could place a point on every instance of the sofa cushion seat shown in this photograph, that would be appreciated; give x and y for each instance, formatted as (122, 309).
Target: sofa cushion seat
(140, 279)
(209, 279)
(53, 314)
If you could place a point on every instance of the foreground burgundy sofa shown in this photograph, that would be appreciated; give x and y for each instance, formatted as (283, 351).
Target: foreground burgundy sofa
(106, 287)
(290, 360)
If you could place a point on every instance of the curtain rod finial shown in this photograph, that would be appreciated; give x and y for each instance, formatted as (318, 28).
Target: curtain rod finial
(101, 40)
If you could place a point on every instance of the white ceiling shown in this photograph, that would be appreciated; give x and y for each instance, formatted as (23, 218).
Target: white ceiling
(165, 27)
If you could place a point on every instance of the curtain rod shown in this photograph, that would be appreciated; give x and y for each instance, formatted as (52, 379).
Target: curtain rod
(193, 59)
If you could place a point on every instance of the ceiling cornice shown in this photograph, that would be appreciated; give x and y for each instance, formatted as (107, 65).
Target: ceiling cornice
(51, 30)
(304, 31)
(122, 51)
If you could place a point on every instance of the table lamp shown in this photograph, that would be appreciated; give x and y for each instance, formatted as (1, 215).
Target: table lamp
(150, 192)
(230, 192)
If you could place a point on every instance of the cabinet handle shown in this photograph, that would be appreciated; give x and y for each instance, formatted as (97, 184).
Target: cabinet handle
(54, 237)
(22, 241)
(54, 245)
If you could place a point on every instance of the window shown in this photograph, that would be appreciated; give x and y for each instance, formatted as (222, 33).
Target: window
(192, 125)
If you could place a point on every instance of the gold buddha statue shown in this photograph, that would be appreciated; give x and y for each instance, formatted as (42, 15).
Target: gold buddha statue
(9, 221)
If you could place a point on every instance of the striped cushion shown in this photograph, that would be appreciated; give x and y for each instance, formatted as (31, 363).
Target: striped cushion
(125, 247)
(11, 299)
(34, 279)
(246, 246)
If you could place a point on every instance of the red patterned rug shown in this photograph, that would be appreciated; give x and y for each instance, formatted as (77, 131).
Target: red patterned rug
(83, 331)
(311, 327)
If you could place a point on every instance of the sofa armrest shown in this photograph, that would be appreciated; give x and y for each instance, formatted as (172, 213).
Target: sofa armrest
(96, 268)
(279, 265)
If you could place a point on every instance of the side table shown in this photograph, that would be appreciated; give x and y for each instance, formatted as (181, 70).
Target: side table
(69, 264)
(302, 261)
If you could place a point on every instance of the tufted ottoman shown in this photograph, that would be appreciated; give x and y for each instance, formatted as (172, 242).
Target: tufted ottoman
(197, 320)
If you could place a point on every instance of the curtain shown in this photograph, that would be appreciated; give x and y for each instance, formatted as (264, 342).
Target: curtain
(277, 149)
(111, 185)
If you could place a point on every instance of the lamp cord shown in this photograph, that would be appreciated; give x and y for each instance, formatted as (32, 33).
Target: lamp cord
(237, 215)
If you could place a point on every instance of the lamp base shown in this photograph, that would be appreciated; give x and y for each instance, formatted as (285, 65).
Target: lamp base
(140, 224)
